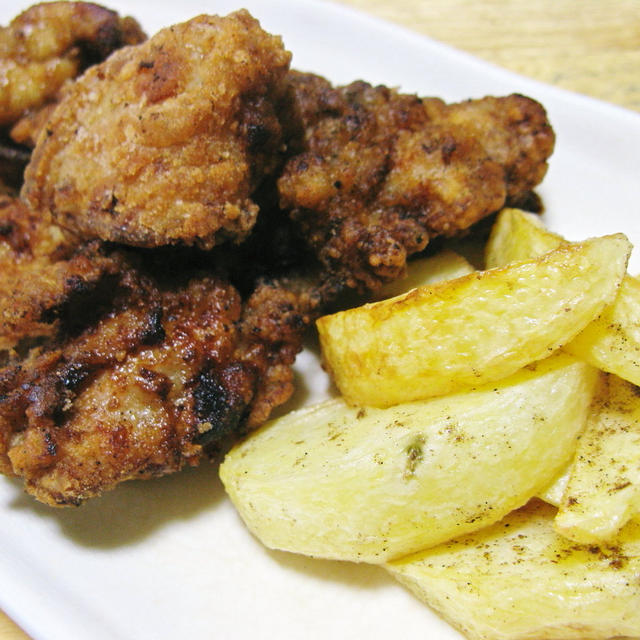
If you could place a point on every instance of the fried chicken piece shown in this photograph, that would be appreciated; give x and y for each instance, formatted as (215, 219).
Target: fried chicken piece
(43, 48)
(380, 173)
(166, 365)
(80, 417)
(167, 141)
(50, 43)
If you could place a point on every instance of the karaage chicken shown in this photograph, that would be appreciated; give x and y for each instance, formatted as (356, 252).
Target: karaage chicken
(40, 50)
(155, 373)
(50, 43)
(379, 173)
(166, 142)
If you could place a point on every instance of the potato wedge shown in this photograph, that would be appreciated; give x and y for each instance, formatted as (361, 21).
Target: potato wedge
(472, 330)
(520, 580)
(445, 265)
(603, 489)
(517, 235)
(612, 341)
(336, 481)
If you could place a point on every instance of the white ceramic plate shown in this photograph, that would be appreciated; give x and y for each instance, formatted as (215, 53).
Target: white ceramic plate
(169, 559)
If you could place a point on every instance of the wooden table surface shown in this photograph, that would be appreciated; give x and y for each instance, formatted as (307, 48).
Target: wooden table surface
(592, 47)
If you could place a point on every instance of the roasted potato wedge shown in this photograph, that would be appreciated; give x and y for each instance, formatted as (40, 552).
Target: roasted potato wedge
(520, 580)
(603, 489)
(347, 483)
(517, 235)
(471, 330)
(612, 341)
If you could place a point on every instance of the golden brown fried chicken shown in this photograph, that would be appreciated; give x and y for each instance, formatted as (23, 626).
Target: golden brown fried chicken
(381, 173)
(167, 141)
(147, 361)
(43, 48)
(514, 132)
(50, 43)
(163, 371)
(111, 404)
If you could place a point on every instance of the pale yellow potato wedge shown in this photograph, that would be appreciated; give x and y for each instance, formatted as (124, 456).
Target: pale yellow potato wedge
(472, 330)
(517, 235)
(603, 489)
(346, 483)
(612, 341)
(520, 580)
(445, 265)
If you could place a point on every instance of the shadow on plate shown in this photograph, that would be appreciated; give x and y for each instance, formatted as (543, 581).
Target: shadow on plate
(359, 576)
(134, 510)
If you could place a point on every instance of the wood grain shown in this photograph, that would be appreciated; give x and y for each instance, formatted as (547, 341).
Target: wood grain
(9, 630)
(591, 46)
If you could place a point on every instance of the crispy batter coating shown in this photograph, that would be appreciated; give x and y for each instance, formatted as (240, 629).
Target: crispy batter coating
(513, 130)
(380, 173)
(50, 43)
(166, 142)
(111, 404)
(165, 372)
(43, 273)
(43, 48)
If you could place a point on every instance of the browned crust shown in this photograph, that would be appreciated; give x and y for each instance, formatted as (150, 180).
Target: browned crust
(135, 153)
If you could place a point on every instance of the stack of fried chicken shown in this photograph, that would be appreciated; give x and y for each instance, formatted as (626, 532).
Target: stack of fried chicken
(190, 204)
